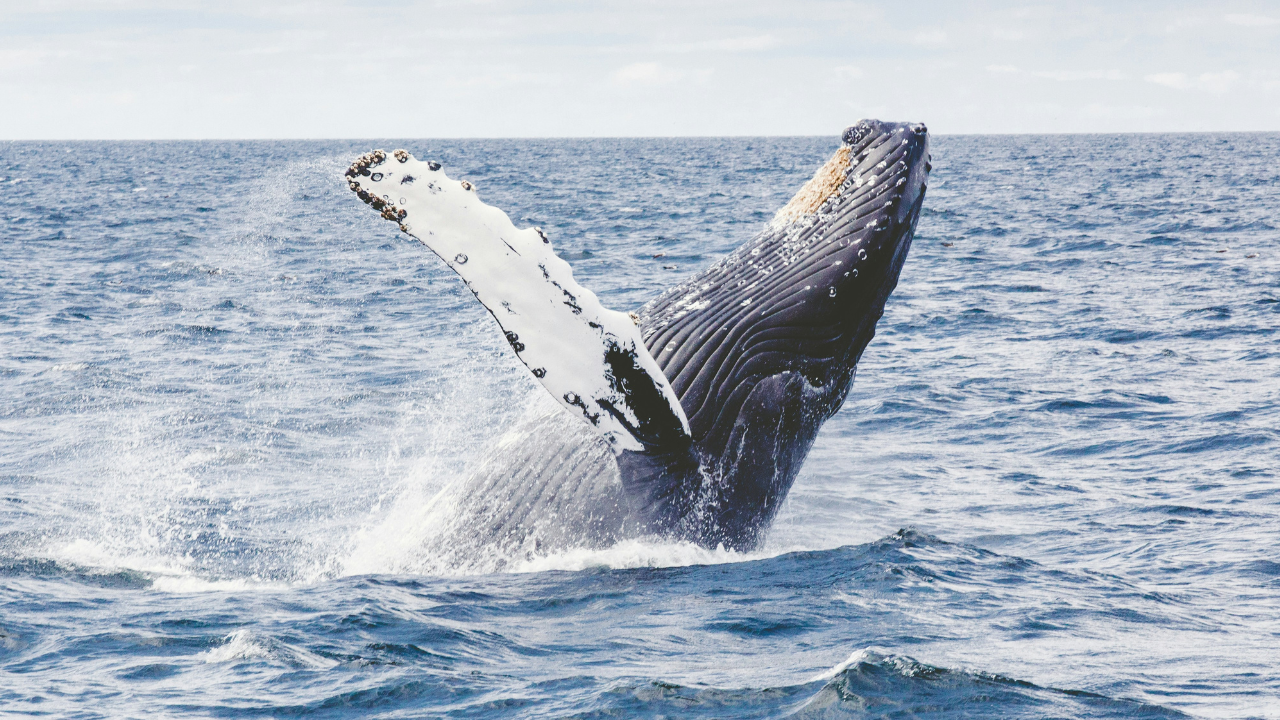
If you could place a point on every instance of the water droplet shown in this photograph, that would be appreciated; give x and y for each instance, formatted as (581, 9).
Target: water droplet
(571, 398)
(831, 292)
(461, 259)
(375, 177)
(855, 272)
(402, 201)
(862, 254)
(539, 373)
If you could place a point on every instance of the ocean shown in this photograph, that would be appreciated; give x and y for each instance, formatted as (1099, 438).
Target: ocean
(231, 398)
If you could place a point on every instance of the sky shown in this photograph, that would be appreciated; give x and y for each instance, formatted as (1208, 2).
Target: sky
(143, 69)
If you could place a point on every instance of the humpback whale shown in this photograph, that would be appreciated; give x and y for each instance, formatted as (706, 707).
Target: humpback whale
(689, 418)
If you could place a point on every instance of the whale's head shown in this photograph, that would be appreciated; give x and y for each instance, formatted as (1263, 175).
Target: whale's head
(762, 347)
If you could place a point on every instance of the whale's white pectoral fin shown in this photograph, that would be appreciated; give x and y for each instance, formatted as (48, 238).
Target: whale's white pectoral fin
(591, 359)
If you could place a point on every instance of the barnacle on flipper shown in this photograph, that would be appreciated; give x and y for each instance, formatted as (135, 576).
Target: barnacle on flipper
(504, 266)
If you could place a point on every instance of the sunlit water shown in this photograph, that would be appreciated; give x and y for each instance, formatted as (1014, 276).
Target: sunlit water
(230, 396)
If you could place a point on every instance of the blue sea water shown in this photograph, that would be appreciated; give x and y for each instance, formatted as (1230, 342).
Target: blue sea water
(230, 394)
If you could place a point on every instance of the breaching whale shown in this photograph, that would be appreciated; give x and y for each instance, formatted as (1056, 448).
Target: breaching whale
(689, 418)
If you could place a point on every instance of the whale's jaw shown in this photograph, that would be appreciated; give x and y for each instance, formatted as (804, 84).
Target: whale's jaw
(761, 348)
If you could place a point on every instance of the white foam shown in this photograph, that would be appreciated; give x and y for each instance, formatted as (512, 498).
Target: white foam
(628, 554)
(242, 645)
(191, 584)
(166, 574)
(94, 557)
(239, 645)
(870, 655)
(397, 542)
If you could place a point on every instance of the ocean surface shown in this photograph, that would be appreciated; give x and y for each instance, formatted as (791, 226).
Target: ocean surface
(230, 395)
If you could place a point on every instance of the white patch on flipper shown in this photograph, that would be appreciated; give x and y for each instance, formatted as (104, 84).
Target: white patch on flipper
(558, 328)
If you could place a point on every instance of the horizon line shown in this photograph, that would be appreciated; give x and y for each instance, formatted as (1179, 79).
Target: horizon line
(625, 137)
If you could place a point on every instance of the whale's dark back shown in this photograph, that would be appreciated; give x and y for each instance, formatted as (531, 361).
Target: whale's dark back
(761, 349)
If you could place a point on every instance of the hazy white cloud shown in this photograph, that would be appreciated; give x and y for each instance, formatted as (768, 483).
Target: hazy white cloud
(1252, 20)
(1185, 22)
(753, 43)
(645, 73)
(1120, 112)
(1001, 32)
(305, 68)
(19, 58)
(930, 38)
(1219, 82)
(495, 79)
(1059, 75)
(1178, 81)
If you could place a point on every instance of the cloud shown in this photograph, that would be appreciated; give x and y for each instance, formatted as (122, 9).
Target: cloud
(1076, 75)
(1217, 83)
(745, 44)
(1184, 22)
(1131, 112)
(1178, 81)
(1252, 20)
(930, 38)
(67, 67)
(14, 58)
(1058, 75)
(645, 73)
(1004, 33)
(752, 43)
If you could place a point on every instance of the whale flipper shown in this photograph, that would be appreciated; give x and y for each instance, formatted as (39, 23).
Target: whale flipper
(591, 359)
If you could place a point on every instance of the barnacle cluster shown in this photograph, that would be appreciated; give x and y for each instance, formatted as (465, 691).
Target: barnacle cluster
(364, 167)
(361, 168)
(368, 160)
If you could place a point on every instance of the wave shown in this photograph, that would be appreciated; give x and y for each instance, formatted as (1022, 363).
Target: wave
(870, 684)
(875, 683)
(244, 646)
(93, 564)
(431, 632)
